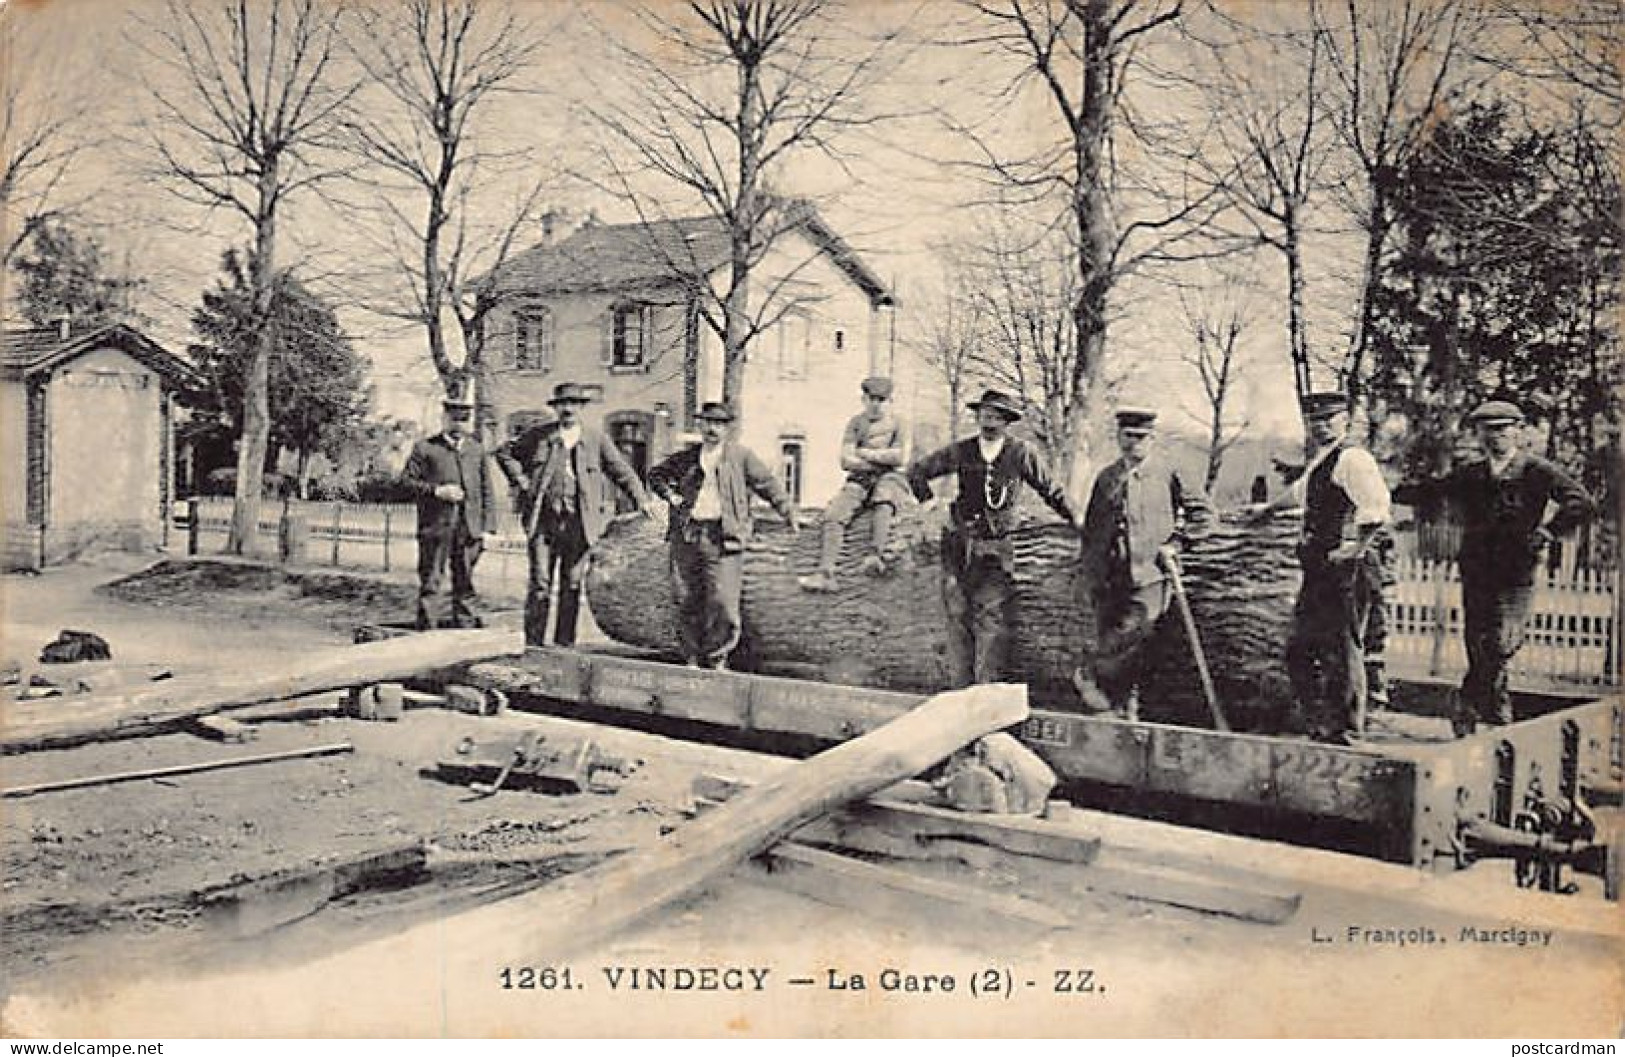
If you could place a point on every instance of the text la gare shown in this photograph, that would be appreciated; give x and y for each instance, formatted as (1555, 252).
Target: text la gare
(891, 980)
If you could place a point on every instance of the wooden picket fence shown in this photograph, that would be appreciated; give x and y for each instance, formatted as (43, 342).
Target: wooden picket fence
(1574, 629)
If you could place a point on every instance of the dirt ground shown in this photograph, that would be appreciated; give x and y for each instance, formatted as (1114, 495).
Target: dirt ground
(185, 906)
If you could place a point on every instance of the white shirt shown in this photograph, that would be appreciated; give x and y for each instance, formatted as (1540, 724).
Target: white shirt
(1358, 475)
(570, 436)
(708, 504)
(990, 448)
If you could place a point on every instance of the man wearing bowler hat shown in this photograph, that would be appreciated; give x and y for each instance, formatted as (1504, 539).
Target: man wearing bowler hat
(562, 473)
(1346, 508)
(708, 487)
(978, 557)
(873, 452)
(456, 511)
(1140, 507)
(1502, 500)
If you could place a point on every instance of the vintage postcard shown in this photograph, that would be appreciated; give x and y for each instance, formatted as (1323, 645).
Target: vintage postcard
(801, 518)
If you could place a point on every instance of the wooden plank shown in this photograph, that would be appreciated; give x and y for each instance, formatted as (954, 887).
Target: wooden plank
(98, 717)
(222, 728)
(176, 770)
(831, 878)
(586, 907)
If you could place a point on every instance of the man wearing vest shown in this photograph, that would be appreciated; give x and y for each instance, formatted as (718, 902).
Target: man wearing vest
(708, 487)
(560, 474)
(978, 558)
(1139, 507)
(456, 511)
(1502, 501)
(1346, 509)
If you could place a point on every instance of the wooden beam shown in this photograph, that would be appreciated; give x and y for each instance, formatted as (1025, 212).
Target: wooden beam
(98, 717)
(831, 878)
(178, 769)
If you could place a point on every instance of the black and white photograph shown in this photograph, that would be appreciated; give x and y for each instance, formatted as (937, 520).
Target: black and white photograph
(746, 519)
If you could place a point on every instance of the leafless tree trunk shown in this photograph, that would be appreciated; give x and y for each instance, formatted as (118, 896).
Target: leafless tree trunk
(953, 330)
(727, 93)
(246, 96)
(1216, 325)
(1393, 66)
(439, 68)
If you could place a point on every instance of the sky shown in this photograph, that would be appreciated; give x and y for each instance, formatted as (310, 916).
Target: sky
(898, 194)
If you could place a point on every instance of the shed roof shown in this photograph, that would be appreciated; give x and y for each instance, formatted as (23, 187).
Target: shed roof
(27, 352)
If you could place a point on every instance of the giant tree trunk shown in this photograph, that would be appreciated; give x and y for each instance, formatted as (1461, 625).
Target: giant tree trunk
(890, 631)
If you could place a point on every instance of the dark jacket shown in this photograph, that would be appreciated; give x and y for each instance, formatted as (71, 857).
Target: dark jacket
(1124, 528)
(1017, 465)
(535, 458)
(1499, 516)
(434, 463)
(739, 473)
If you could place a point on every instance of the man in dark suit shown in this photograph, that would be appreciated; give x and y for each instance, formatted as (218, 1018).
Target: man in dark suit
(708, 487)
(559, 470)
(456, 511)
(978, 555)
(1502, 500)
(1140, 506)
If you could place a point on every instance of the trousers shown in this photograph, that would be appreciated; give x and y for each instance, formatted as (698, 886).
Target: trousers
(708, 579)
(459, 552)
(1325, 653)
(1493, 616)
(559, 543)
(1125, 617)
(979, 594)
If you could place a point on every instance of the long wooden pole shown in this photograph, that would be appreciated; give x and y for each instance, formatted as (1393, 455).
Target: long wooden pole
(465, 953)
(178, 769)
(96, 717)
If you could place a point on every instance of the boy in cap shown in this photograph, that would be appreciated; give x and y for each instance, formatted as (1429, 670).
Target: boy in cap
(978, 556)
(1139, 508)
(456, 512)
(873, 449)
(1502, 501)
(563, 471)
(708, 487)
(1346, 508)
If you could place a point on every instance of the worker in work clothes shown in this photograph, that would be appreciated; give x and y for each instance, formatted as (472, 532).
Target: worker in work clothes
(563, 476)
(448, 475)
(1346, 507)
(708, 487)
(978, 557)
(1502, 500)
(1140, 505)
(873, 451)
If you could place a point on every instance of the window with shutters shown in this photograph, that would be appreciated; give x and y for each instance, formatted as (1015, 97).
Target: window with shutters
(629, 337)
(533, 339)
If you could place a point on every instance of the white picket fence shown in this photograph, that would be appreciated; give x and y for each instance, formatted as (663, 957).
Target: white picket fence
(1573, 632)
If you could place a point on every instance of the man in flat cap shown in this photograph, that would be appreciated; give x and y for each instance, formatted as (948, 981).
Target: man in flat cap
(978, 556)
(448, 475)
(1140, 509)
(1346, 510)
(1502, 500)
(708, 487)
(563, 472)
(874, 448)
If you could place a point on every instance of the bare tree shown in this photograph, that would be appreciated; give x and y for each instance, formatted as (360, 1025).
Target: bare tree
(1273, 143)
(727, 95)
(1567, 45)
(246, 97)
(1216, 324)
(1393, 66)
(1080, 56)
(952, 329)
(42, 129)
(440, 68)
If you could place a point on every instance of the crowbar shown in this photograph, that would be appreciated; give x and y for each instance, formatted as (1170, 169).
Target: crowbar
(1170, 565)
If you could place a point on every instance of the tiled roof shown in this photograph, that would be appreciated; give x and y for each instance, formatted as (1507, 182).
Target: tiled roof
(27, 350)
(629, 256)
(621, 256)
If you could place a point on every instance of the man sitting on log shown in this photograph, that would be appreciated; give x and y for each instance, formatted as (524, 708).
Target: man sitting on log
(708, 487)
(562, 473)
(873, 450)
(1346, 508)
(1501, 500)
(1140, 507)
(978, 585)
